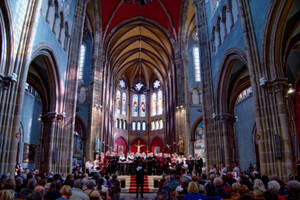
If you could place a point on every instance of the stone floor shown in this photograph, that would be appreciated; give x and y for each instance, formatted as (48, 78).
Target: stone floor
(129, 196)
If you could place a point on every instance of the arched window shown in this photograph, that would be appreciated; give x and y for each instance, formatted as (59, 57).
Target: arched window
(135, 100)
(152, 125)
(138, 126)
(156, 125)
(244, 94)
(196, 63)
(143, 126)
(153, 104)
(124, 100)
(121, 124)
(125, 125)
(81, 62)
(159, 103)
(117, 123)
(195, 97)
(143, 106)
(133, 125)
(161, 124)
(118, 102)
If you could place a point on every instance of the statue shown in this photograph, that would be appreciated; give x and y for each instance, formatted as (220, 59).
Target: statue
(138, 146)
(180, 145)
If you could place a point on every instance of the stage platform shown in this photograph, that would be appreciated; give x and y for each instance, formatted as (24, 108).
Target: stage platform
(128, 184)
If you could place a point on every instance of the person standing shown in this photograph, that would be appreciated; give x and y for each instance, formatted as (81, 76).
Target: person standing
(139, 180)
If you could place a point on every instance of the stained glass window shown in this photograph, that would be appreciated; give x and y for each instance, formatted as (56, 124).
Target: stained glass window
(133, 125)
(143, 106)
(138, 126)
(117, 123)
(121, 124)
(156, 125)
(81, 61)
(124, 103)
(161, 124)
(125, 125)
(144, 126)
(153, 104)
(118, 102)
(196, 64)
(159, 103)
(135, 99)
(152, 125)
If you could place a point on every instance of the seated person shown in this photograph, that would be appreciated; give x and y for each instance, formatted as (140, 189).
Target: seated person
(193, 192)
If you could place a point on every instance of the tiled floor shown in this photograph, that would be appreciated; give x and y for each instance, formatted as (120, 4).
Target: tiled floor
(129, 196)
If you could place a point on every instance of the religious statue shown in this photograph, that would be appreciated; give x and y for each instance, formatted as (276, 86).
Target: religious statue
(180, 145)
(138, 146)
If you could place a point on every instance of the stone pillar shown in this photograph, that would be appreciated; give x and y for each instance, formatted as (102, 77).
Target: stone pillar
(71, 87)
(224, 128)
(206, 83)
(270, 107)
(182, 121)
(96, 88)
(11, 99)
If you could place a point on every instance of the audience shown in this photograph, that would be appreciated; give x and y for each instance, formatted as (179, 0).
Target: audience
(248, 185)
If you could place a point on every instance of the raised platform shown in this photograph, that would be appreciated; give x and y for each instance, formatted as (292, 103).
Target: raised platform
(128, 185)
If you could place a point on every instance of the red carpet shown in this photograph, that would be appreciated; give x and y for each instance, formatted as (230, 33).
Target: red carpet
(132, 188)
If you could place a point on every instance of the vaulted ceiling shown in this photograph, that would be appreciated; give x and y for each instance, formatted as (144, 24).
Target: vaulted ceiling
(139, 40)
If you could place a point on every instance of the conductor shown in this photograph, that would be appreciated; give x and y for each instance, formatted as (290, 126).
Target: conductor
(139, 180)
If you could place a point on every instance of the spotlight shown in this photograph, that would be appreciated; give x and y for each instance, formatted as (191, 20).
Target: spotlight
(291, 90)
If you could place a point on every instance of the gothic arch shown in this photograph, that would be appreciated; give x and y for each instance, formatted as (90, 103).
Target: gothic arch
(157, 141)
(231, 57)
(276, 38)
(120, 141)
(6, 37)
(46, 52)
(194, 127)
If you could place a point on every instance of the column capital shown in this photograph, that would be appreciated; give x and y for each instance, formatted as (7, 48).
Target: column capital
(224, 117)
(276, 85)
(52, 116)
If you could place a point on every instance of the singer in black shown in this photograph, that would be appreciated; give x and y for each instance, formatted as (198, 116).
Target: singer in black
(140, 173)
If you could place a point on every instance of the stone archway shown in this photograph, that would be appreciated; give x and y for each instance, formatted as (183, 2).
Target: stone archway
(43, 77)
(157, 145)
(232, 79)
(120, 146)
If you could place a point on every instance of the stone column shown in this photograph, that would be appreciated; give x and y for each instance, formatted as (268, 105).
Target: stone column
(11, 99)
(182, 121)
(224, 128)
(71, 85)
(206, 83)
(270, 107)
(96, 87)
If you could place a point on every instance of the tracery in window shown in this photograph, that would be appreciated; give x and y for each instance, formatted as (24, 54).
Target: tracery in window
(138, 126)
(161, 124)
(156, 125)
(133, 125)
(124, 99)
(244, 94)
(196, 64)
(152, 125)
(135, 105)
(118, 102)
(81, 61)
(143, 126)
(159, 103)
(143, 106)
(153, 104)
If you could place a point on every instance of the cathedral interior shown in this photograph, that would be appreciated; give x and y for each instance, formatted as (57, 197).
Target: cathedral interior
(218, 79)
